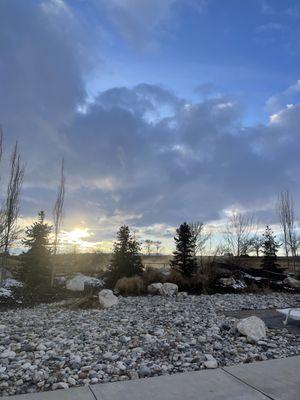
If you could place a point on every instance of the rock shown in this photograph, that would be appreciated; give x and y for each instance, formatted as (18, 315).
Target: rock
(159, 332)
(144, 371)
(182, 294)
(218, 346)
(125, 339)
(227, 282)
(291, 282)
(62, 385)
(169, 289)
(133, 375)
(8, 354)
(41, 347)
(253, 328)
(155, 288)
(107, 299)
(2, 327)
(71, 381)
(211, 362)
(166, 289)
(78, 283)
(86, 368)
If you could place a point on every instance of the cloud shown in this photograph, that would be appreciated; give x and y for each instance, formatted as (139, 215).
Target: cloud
(280, 100)
(141, 155)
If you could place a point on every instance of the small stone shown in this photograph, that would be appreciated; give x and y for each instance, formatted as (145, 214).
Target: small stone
(71, 381)
(144, 371)
(62, 385)
(86, 368)
(133, 375)
(125, 339)
(41, 347)
(8, 354)
(211, 364)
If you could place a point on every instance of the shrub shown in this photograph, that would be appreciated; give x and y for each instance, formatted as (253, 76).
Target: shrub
(184, 283)
(130, 286)
(152, 275)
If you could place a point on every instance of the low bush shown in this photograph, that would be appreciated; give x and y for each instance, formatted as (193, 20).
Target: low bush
(130, 286)
(152, 275)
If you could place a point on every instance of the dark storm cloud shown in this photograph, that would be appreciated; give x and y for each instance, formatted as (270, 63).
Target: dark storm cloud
(141, 154)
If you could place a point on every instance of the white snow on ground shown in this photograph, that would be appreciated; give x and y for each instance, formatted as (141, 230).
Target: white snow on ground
(294, 314)
(256, 278)
(5, 292)
(239, 285)
(8, 285)
(11, 282)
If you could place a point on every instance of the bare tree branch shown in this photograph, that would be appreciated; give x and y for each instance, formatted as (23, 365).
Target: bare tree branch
(11, 206)
(58, 212)
(285, 207)
(200, 237)
(238, 233)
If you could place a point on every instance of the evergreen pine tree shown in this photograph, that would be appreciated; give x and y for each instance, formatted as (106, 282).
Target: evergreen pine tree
(270, 248)
(36, 262)
(184, 259)
(126, 260)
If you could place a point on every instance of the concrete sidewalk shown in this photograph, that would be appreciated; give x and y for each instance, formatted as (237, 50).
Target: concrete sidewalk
(275, 379)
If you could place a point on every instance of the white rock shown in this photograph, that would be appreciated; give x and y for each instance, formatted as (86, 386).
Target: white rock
(71, 381)
(291, 282)
(166, 289)
(78, 282)
(212, 364)
(155, 288)
(2, 327)
(107, 298)
(169, 289)
(62, 385)
(252, 327)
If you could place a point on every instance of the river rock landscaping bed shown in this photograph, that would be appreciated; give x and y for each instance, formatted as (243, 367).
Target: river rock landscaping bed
(48, 347)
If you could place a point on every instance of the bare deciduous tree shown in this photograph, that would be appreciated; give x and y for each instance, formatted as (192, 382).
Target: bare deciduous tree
(158, 246)
(285, 209)
(200, 237)
(148, 244)
(11, 206)
(238, 233)
(58, 213)
(256, 244)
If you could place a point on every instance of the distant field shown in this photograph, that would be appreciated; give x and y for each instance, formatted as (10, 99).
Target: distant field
(95, 263)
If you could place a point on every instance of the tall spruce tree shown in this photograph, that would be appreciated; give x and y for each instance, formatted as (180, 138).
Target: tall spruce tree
(36, 262)
(270, 249)
(184, 259)
(126, 260)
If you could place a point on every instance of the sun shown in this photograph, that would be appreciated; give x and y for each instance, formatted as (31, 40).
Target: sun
(77, 235)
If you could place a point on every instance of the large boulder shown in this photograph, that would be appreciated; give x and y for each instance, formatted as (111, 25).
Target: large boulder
(169, 289)
(155, 288)
(252, 327)
(291, 282)
(163, 289)
(107, 298)
(80, 281)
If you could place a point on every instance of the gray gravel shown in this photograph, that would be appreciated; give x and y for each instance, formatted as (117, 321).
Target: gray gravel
(48, 347)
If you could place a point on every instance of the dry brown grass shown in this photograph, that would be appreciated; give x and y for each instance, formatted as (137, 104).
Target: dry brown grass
(130, 286)
(152, 275)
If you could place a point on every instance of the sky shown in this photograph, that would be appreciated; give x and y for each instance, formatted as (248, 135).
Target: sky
(165, 110)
